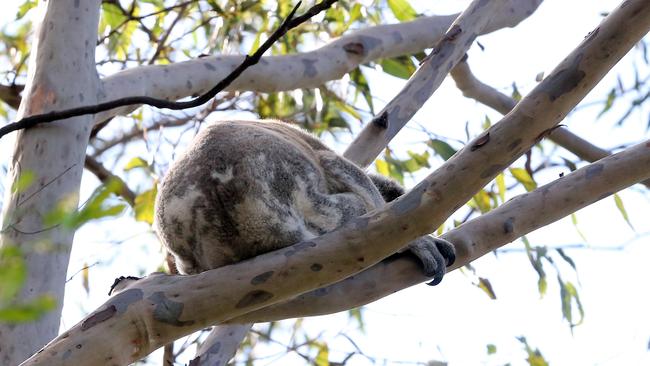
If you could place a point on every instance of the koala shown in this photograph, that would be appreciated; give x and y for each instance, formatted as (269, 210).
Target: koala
(244, 188)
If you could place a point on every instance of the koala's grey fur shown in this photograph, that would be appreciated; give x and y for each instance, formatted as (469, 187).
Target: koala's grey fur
(244, 188)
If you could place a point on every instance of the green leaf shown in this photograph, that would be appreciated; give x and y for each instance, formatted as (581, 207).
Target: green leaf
(25, 8)
(23, 182)
(609, 102)
(402, 10)
(566, 258)
(13, 272)
(136, 162)
(485, 285)
(382, 167)
(515, 93)
(621, 209)
(112, 15)
(574, 221)
(357, 78)
(501, 186)
(482, 201)
(27, 311)
(358, 317)
(401, 67)
(322, 358)
(66, 214)
(522, 176)
(441, 148)
(144, 205)
(491, 349)
(535, 357)
(569, 295)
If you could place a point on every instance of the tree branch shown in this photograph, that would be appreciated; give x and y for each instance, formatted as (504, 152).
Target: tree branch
(517, 217)
(287, 24)
(428, 77)
(61, 75)
(485, 94)
(303, 70)
(160, 308)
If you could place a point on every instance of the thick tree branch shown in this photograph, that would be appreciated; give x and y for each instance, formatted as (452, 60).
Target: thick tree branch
(61, 75)
(303, 70)
(428, 77)
(289, 23)
(160, 308)
(480, 236)
(485, 94)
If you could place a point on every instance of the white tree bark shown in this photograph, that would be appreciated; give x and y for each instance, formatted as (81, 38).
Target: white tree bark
(221, 344)
(364, 150)
(304, 70)
(160, 308)
(426, 80)
(485, 94)
(61, 75)
(480, 236)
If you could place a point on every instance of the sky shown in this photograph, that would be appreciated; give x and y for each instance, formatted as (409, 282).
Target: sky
(455, 321)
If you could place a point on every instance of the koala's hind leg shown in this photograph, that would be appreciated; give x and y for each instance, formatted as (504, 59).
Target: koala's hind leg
(344, 176)
(435, 254)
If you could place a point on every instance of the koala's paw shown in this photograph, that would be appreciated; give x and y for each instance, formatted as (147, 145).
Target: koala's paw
(435, 254)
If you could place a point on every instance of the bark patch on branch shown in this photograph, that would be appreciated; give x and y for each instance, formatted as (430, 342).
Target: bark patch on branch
(99, 317)
(261, 278)
(564, 81)
(168, 311)
(253, 298)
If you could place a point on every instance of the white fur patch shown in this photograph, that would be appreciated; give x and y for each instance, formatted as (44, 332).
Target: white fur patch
(224, 177)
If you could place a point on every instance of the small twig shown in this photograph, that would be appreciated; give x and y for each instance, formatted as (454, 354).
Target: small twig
(287, 24)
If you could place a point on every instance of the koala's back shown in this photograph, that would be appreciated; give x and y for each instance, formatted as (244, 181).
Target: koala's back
(243, 188)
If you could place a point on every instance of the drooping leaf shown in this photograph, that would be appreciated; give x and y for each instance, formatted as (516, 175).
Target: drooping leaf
(609, 102)
(441, 148)
(566, 258)
(501, 186)
(85, 276)
(361, 84)
(621, 209)
(482, 201)
(402, 10)
(569, 296)
(401, 67)
(136, 162)
(485, 285)
(574, 221)
(144, 205)
(515, 93)
(522, 176)
(535, 357)
(322, 358)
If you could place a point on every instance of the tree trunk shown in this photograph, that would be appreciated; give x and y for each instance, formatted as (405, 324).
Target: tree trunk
(61, 75)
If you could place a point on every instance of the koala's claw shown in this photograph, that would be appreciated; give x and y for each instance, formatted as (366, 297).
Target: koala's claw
(435, 254)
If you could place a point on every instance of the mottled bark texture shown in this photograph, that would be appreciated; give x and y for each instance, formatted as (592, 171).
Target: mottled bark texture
(61, 75)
